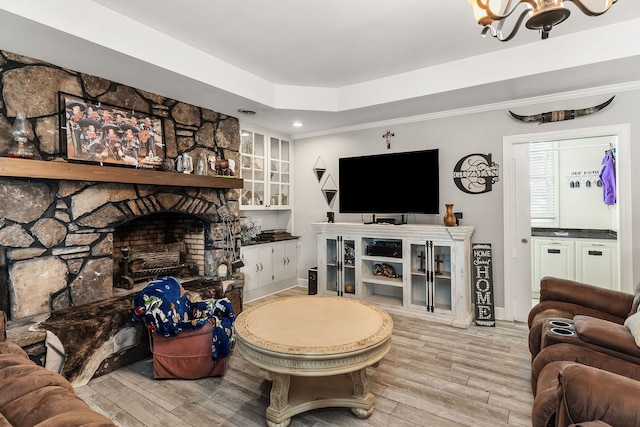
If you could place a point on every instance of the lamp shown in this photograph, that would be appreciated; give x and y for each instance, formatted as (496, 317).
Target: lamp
(20, 131)
(540, 15)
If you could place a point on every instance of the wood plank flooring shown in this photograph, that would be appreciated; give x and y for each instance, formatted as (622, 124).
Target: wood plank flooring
(434, 375)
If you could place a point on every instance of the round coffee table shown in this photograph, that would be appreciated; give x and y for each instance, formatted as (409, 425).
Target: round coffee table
(315, 349)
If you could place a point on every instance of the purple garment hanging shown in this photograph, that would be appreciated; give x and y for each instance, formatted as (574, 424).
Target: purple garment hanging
(608, 178)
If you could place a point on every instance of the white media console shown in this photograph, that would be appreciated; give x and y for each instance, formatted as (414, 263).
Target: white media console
(420, 271)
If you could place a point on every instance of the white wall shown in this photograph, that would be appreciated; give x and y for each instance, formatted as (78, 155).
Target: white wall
(455, 137)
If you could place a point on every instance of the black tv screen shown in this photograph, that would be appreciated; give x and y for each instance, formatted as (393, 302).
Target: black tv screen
(397, 183)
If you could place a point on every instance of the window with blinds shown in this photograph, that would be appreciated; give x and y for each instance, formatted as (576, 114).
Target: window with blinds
(543, 172)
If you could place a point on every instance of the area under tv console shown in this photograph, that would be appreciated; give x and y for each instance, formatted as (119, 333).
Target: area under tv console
(421, 271)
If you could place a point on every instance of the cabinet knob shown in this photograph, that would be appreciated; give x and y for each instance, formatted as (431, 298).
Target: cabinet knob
(524, 240)
(261, 267)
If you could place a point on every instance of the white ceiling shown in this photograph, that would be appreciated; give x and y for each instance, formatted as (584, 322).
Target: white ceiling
(332, 64)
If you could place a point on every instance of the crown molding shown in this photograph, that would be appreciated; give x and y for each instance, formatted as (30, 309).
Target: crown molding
(563, 96)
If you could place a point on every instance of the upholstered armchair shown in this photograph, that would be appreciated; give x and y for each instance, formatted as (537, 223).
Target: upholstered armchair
(563, 299)
(187, 355)
(188, 340)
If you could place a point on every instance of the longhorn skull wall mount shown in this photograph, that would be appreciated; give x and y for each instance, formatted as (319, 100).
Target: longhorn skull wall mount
(560, 115)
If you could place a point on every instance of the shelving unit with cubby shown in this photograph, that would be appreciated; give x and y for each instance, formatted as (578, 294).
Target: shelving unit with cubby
(382, 275)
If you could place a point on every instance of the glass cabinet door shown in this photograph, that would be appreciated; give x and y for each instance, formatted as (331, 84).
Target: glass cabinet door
(252, 171)
(333, 265)
(279, 172)
(265, 169)
(418, 295)
(430, 281)
(349, 267)
(341, 266)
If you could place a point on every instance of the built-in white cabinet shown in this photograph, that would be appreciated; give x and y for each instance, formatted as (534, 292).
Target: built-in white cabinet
(553, 257)
(269, 268)
(285, 261)
(596, 263)
(584, 260)
(258, 266)
(420, 271)
(265, 167)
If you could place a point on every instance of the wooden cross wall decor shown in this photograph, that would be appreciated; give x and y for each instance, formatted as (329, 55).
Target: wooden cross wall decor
(388, 136)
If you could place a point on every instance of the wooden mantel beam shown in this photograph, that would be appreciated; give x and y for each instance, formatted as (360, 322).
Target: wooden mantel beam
(61, 170)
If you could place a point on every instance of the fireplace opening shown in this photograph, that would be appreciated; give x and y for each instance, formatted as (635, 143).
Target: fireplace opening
(165, 243)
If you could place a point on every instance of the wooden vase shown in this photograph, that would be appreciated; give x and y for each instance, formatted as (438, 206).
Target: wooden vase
(449, 217)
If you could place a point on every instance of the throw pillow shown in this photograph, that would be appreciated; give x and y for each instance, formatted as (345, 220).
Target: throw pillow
(635, 305)
(633, 323)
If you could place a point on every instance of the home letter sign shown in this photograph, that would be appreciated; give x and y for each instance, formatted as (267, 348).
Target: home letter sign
(483, 284)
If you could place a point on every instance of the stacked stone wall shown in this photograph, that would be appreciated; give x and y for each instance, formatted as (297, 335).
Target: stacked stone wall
(58, 239)
(57, 236)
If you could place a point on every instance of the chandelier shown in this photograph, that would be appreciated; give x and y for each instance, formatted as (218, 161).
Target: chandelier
(539, 15)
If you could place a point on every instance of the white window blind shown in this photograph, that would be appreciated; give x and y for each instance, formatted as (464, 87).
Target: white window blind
(543, 167)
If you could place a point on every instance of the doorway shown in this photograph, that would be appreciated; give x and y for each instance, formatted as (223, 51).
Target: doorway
(517, 212)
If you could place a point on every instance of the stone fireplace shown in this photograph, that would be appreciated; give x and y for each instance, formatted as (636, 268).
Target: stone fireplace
(60, 222)
(58, 238)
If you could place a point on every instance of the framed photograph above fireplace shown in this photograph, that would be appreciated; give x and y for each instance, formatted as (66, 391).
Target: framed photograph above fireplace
(94, 132)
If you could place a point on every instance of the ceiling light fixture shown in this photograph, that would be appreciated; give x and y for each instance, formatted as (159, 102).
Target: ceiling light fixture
(297, 124)
(247, 112)
(540, 15)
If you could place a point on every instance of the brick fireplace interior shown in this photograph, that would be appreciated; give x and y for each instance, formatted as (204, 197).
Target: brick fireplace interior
(162, 231)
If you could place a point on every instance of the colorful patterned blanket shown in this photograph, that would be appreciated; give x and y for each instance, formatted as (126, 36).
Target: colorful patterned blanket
(165, 309)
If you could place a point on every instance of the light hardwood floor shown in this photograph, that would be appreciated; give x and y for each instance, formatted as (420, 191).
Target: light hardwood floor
(434, 375)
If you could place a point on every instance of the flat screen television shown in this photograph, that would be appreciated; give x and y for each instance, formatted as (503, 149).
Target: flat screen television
(397, 183)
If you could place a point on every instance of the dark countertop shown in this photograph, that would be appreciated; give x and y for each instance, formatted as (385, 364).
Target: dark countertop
(270, 240)
(574, 233)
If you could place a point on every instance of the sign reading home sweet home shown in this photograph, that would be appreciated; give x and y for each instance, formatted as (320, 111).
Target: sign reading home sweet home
(482, 278)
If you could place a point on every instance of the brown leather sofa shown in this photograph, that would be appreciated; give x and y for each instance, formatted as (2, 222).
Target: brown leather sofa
(563, 299)
(583, 355)
(590, 332)
(582, 395)
(31, 395)
(551, 362)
